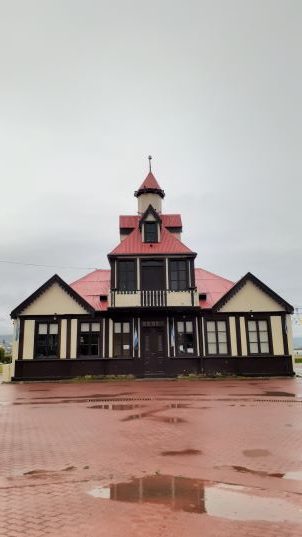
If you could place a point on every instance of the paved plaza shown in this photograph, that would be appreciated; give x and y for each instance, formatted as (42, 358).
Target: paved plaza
(152, 458)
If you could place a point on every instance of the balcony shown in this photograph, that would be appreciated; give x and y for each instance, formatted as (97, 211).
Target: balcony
(153, 298)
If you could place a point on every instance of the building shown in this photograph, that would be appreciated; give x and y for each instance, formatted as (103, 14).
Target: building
(153, 313)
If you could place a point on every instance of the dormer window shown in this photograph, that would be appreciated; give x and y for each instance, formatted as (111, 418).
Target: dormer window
(150, 231)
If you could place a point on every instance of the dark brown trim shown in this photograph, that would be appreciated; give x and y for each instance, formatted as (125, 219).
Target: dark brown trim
(112, 274)
(146, 256)
(250, 277)
(149, 210)
(284, 335)
(176, 336)
(43, 288)
(59, 337)
(238, 335)
(141, 191)
(21, 339)
(228, 335)
(269, 331)
(100, 344)
(107, 337)
(49, 320)
(192, 269)
(68, 338)
(201, 342)
(117, 280)
(174, 229)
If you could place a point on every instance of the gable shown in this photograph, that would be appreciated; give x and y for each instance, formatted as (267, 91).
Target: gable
(54, 300)
(250, 297)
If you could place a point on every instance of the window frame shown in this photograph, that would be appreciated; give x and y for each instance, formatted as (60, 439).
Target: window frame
(48, 322)
(216, 320)
(120, 263)
(155, 231)
(100, 338)
(128, 334)
(187, 283)
(269, 335)
(185, 354)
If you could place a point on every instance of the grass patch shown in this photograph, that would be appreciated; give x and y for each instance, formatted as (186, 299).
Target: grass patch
(298, 360)
(1, 369)
(103, 378)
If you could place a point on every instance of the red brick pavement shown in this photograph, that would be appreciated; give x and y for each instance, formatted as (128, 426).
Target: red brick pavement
(58, 453)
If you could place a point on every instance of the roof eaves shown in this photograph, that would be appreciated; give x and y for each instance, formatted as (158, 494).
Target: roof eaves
(54, 279)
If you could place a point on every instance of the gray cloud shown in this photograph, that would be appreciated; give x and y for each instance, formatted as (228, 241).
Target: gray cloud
(89, 89)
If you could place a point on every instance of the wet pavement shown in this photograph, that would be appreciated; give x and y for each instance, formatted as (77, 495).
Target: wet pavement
(159, 458)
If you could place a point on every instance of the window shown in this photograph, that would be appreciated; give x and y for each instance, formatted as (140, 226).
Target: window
(47, 340)
(178, 274)
(184, 337)
(150, 232)
(126, 275)
(217, 338)
(89, 339)
(121, 339)
(258, 338)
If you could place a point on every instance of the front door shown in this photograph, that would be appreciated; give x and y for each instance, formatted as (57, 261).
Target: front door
(153, 347)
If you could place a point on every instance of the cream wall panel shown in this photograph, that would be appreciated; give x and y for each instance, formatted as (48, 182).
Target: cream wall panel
(29, 339)
(15, 343)
(63, 338)
(110, 338)
(234, 350)
(243, 336)
(289, 330)
(149, 199)
(251, 298)
(74, 338)
(277, 335)
(54, 300)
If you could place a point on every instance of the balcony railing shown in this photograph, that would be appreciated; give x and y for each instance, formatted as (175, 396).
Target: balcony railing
(158, 298)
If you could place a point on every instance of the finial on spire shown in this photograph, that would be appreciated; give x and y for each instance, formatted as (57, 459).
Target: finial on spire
(150, 158)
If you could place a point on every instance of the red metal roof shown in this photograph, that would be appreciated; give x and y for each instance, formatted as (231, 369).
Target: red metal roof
(150, 182)
(93, 285)
(168, 220)
(133, 245)
(97, 283)
(213, 285)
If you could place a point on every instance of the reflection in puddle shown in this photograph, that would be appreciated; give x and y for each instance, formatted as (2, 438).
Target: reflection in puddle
(114, 406)
(279, 394)
(196, 496)
(256, 452)
(245, 470)
(181, 452)
(296, 475)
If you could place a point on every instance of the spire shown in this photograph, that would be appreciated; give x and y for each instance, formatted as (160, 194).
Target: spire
(150, 184)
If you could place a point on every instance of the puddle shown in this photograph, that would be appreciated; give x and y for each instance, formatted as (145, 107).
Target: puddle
(46, 473)
(296, 475)
(220, 500)
(279, 394)
(178, 405)
(245, 470)
(116, 407)
(256, 452)
(182, 452)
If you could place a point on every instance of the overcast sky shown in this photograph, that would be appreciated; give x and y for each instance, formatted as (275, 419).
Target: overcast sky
(212, 89)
